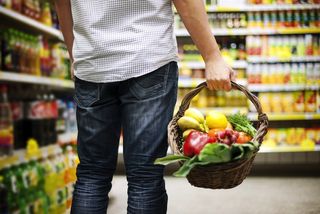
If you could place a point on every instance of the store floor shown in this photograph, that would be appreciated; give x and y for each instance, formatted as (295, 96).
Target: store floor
(256, 195)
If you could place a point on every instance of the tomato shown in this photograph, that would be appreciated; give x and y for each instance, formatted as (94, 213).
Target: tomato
(213, 132)
(243, 138)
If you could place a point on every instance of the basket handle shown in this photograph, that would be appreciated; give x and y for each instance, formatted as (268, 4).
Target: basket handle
(262, 117)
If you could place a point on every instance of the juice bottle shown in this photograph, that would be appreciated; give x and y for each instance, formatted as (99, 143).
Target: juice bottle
(296, 19)
(251, 21)
(17, 5)
(6, 123)
(265, 74)
(274, 22)
(287, 72)
(305, 19)
(7, 51)
(289, 19)
(267, 20)
(301, 47)
(308, 43)
(46, 14)
(281, 20)
(294, 73)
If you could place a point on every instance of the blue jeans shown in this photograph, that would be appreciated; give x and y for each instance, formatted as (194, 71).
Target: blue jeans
(142, 107)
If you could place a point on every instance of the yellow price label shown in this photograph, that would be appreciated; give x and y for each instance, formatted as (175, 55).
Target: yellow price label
(227, 9)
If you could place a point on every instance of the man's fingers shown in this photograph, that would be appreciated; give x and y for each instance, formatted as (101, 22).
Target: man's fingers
(232, 75)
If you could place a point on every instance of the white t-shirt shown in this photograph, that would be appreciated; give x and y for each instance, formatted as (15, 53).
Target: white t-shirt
(115, 40)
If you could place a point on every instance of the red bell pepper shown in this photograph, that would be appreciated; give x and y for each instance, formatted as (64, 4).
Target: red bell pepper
(195, 142)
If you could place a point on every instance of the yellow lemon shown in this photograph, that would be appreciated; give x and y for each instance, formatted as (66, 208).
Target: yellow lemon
(216, 120)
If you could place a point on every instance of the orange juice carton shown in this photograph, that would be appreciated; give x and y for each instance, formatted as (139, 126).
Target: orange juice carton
(276, 102)
(300, 135)
(291, 136)
(281, 136)
(310, 101)
(311, 134)
(298, 105)
(287, 102)
(265, 102)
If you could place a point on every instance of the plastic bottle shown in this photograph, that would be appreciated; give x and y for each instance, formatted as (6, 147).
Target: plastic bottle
(6, 123)
(46, 14)
(72, 121)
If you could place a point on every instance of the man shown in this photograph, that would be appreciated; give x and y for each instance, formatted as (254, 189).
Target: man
(124, 56)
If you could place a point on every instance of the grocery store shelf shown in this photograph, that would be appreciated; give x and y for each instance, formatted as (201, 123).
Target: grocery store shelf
(31, 23)
(238, 64)
(193, 82)
(253, 31)
(31, 79)
(258, 59)
(281, 87)
(262, 7)
(287, 116)
(20, 156)
(265, 149)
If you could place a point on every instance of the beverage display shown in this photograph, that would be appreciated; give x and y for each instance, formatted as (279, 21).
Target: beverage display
(284, 2)
(292, 136)
(231, 49)
(206, 99)
(25, 53)
(284, 73)
(284, 19)
(261, 19)
(36, 9)
(39, 186)
(283, 47)
(289, 102)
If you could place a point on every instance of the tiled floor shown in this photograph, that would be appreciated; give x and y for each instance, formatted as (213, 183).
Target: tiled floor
(257, 195)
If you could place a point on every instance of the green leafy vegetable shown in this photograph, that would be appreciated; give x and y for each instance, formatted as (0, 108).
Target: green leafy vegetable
(215, 153)
(237, 151)
(188, 166)
(241, 123)
(170, 159)
(248, 150)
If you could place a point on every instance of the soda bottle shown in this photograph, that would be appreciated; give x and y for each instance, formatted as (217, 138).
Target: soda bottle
(6, 123)
(3, 197)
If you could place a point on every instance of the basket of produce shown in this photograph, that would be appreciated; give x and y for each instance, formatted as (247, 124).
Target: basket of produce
(214, 151)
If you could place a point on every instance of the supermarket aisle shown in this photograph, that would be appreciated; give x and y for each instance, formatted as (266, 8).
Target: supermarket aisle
(257, 195)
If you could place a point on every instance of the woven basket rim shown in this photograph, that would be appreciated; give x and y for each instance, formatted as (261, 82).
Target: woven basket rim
(173, 129)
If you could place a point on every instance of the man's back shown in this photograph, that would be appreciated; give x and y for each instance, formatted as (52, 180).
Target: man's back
(116, 40)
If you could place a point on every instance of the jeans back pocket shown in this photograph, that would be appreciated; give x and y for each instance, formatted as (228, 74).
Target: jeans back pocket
(86, 93)
(150, 85)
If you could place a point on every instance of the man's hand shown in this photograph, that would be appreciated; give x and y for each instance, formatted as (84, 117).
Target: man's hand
(219, 74)
(194, 17)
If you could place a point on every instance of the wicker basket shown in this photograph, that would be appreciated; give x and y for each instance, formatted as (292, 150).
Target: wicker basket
(217, 176)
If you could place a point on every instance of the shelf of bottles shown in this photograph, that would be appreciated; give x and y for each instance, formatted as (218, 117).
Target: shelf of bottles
(39, 184)
(27, 58)
(39, 21)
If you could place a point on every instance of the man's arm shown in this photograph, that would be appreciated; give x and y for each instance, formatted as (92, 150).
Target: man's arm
(194, 17)
(63, 9)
